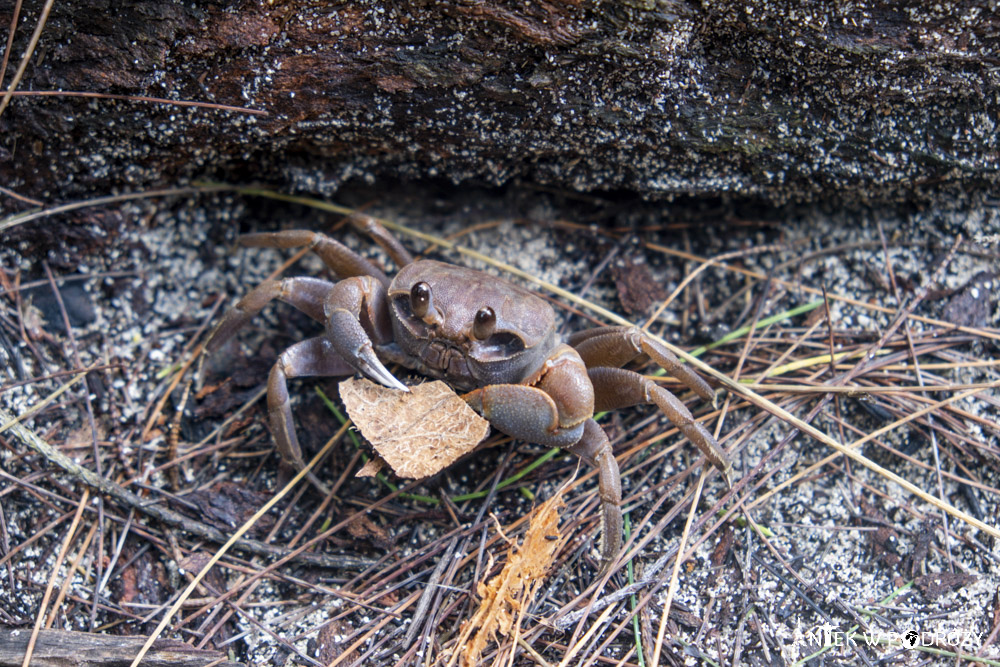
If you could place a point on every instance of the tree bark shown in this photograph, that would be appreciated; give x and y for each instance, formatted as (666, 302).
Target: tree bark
(782, 101)
(58, 648)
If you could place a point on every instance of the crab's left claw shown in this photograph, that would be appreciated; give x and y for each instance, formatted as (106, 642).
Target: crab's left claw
(554, 408)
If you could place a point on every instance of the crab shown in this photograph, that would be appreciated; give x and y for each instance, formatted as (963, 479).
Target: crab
(482, 335)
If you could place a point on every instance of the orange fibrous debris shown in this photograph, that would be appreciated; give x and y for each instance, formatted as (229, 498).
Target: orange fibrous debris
(418, 433)
(508, 594)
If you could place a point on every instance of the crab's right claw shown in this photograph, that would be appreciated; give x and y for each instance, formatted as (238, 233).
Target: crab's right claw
(370, 365)
(349, 302)
(355, 347)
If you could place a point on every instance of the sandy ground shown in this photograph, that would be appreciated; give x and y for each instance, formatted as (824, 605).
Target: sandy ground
(853, 538)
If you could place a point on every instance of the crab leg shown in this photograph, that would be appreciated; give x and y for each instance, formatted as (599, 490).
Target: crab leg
(340, 259)
(313, 357)
(306, 294)
(616, 346)
(594, 448)
(373, 228)
(616, 388)
(350, 302)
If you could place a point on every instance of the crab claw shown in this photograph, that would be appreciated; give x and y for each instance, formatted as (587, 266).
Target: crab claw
(348, 303)
(352, 343)
(370, 365)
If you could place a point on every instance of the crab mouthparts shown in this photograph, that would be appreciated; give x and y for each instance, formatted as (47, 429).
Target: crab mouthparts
(445, 360)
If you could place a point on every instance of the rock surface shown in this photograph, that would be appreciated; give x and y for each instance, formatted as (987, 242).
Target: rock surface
(782, 101)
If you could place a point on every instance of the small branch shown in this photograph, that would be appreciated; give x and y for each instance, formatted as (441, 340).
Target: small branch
(57, 648)
(187, 523)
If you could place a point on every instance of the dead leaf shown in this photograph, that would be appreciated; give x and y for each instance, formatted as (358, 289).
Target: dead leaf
(418, 433)
(511, 591)
(227, 505)
(970, 305)
(331, 642)
(937, 584)
(638, 290)
(363, 528)
(194, 563)
(371, 468)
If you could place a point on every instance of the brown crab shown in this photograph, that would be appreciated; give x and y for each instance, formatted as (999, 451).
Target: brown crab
(480, 334)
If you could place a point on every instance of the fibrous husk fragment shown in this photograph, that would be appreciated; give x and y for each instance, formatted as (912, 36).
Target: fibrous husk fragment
(418, 433)
(510, 592)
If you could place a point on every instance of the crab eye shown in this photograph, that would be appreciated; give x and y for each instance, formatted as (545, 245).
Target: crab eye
(420, 299)
(486, 319)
